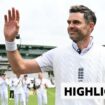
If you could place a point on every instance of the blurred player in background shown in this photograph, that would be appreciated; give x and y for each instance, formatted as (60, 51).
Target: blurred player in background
(41, 86)
(4, 89)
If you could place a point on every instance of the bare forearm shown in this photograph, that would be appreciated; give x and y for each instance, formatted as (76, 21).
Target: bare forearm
(11, 29)
(20, 65)
(15, 60)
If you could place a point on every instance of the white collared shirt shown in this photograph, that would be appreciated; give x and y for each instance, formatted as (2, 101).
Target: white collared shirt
(65, 62)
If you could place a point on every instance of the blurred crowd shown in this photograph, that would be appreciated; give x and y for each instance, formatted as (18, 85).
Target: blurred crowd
(20, 87)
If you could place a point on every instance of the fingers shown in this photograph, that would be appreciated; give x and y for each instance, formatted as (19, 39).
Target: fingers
(9, 15)
(5, 18)
(17, 15)
(13, 15)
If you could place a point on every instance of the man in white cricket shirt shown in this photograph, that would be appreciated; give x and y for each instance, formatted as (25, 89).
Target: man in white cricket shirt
(19, 94)
(4, 89)
(41, 84)
(26, 82)
(66, 62)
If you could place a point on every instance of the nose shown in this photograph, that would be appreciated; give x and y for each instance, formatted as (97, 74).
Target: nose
(71, 26)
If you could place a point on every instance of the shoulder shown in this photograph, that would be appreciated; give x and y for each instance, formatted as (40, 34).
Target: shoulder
(98, 51)
(59, 50)
(99, 48)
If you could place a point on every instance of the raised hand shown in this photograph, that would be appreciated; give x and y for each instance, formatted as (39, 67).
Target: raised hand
(11, 25)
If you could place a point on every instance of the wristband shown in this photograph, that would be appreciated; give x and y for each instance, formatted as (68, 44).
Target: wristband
(10, 46)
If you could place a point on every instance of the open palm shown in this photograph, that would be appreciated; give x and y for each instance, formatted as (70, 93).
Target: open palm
(11, 26)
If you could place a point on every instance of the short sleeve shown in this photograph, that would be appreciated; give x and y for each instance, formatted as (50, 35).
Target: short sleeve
(45, 61)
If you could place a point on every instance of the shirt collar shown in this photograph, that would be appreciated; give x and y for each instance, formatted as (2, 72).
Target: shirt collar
(85, 50)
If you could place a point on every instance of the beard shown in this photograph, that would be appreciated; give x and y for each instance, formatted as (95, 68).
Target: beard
(77, 36)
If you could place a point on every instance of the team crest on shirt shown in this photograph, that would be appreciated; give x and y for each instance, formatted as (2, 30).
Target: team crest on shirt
(80, 74)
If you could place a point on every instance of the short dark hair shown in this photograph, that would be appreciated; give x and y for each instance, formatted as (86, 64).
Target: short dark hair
(89, 15)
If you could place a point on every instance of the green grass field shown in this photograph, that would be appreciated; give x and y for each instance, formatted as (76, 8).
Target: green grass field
(33, 98)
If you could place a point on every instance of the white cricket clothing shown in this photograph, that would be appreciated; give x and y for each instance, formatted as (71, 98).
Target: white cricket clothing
(26, 82)
(41, 91)
(11, 84)
(19, 92)
(4, 91)
(65, 62)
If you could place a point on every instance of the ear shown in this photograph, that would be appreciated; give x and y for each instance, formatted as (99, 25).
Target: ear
(91, 25)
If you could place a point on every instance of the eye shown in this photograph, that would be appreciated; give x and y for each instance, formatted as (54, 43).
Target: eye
(68, 21)
(76, 22)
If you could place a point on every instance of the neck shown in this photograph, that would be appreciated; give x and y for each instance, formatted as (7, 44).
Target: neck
(84, 43)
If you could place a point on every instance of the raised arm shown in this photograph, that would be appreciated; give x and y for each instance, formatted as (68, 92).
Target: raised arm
(11, 29)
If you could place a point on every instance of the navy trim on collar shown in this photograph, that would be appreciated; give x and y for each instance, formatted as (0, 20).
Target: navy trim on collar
(85, 50)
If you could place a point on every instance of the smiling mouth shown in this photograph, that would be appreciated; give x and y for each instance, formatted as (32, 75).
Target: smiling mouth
(72, 33)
